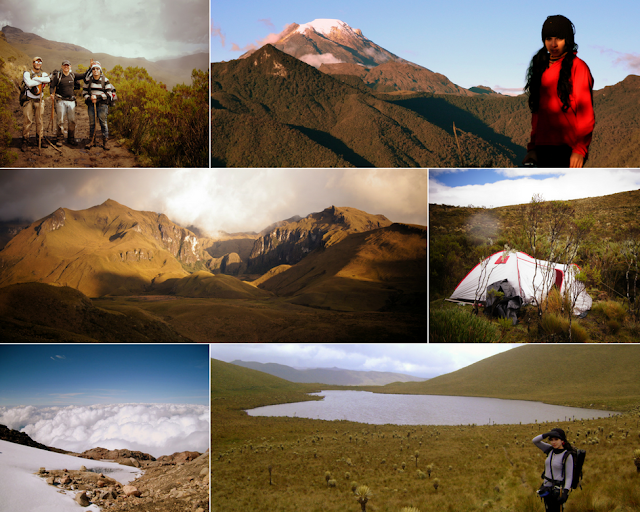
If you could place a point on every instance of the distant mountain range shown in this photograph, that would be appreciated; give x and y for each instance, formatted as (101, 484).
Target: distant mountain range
(337, 376)
(343, 101)
(24, 46)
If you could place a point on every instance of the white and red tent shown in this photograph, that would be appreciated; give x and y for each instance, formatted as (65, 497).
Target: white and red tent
(531, 279)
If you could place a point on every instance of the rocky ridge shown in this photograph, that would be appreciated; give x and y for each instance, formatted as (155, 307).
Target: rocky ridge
(165, 486)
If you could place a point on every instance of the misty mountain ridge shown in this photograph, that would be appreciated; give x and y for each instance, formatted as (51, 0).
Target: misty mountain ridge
(334, 376)
(171, 71)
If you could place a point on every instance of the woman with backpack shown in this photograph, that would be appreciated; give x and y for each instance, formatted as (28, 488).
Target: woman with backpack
(558, 469)
(560, 88)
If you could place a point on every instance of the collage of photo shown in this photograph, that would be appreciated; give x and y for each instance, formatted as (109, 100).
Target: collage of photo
(330, 257)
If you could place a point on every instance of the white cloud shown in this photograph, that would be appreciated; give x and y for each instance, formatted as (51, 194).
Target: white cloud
(157, 429)
(123, 28)
(219, 200)
(420, 360)
(318, 60)
(570, 184)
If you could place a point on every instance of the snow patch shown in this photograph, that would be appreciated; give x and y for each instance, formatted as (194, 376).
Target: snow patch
(21, 489)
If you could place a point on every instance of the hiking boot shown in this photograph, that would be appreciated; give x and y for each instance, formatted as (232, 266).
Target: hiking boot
(24, 145)
(89, 144)
(105, 144)
(71, 138)
(59, 140)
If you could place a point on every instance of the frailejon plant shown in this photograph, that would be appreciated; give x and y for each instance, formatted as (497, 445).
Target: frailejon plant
(636, 459)
(363, 495)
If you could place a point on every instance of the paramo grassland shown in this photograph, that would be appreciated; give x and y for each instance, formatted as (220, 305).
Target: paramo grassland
(295, 464)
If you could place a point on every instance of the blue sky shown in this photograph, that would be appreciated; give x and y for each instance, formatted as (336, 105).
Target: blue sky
(103, 374)
(470, 42)
(501, 187)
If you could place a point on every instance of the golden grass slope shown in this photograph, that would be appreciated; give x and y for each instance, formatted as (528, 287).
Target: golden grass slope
(37, 312)
(106, 249)
(365, 271)
(205, 284)
(575, 375)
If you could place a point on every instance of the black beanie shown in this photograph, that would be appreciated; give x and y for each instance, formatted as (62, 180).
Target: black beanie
(559, 433)
(558, 26)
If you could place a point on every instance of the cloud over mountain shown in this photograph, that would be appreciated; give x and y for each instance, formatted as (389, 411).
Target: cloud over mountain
(157, 429)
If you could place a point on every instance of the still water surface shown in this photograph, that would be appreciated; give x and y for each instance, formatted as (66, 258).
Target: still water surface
(379, 409)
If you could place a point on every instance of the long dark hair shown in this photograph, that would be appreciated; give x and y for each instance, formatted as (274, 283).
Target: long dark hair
(539, 63)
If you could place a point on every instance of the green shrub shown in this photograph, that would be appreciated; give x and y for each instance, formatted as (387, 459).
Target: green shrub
(457, 325)
(551, 323)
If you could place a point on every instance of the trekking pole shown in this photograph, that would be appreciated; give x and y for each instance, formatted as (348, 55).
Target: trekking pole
(95, 122)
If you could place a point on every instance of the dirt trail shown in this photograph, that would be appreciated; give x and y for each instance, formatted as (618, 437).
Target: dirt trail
(68, 156)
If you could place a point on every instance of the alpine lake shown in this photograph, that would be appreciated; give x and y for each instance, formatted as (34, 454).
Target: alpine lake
(381, 409)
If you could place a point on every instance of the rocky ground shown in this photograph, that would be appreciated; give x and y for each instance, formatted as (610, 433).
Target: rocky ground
(177, 483)
(67, 155)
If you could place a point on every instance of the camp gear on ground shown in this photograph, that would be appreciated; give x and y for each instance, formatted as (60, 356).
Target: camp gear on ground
(531, 279)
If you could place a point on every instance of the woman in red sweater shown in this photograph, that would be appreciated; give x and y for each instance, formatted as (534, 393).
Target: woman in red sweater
(560, 88)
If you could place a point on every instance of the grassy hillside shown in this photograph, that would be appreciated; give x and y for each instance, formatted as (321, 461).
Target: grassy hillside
(459, 238)
(37, 312)
(578, 376)
(293, 464)
(383, 269)
(282, 93)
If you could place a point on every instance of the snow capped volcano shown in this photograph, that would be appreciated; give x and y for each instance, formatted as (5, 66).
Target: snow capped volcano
(325, 27)
(331, 41)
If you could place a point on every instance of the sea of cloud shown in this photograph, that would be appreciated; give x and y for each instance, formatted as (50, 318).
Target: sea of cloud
(157, 429)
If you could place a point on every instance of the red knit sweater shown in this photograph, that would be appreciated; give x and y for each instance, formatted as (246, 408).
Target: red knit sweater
(550, 125)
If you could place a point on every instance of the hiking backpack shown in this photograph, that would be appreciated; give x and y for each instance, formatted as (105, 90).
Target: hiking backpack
(23, 98)
(578, 457)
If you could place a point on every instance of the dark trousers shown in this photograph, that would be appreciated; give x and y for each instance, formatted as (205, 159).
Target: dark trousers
(553, 156)
(102, 111)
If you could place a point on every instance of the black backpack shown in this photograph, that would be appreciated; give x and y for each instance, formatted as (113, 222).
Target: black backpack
(578, 457)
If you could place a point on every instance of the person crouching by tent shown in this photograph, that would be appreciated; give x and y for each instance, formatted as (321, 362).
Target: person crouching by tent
(558, 469)
(33, 108)
(98, 93)
(560, 88)
(63, 83)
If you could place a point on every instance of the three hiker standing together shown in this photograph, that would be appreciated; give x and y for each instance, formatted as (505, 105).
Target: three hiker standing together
(98, 94)
(560, 88)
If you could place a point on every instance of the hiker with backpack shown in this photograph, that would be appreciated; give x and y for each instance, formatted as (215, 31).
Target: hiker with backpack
(32, 101)
(98, 94)
(63, 83)
(561, 472)
(560, 89)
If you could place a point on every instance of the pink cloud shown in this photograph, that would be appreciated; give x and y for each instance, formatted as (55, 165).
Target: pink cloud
(217, 32)
(631, 60)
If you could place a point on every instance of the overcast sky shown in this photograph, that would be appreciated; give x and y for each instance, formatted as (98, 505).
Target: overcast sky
(470, 42)
(218, 199)
(153, 29)
(503, 187)
(421, 359)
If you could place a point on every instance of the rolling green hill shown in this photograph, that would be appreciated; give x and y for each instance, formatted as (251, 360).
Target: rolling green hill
(572, 375)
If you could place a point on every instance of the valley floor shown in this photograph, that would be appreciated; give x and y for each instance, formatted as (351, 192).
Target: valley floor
(270, 320)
